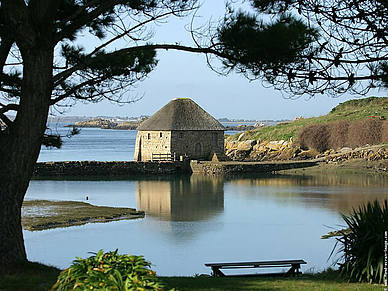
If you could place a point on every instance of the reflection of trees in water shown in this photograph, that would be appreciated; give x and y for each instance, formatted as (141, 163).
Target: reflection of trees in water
(361, 180)
(183, 198)
(340, 192)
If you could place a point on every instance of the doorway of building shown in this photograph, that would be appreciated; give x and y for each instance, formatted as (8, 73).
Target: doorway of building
(198, 150)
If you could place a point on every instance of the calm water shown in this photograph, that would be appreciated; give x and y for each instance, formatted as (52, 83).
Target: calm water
(92, 144)
(195, 219)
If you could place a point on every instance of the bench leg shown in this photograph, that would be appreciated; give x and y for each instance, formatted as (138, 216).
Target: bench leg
(294, 271)
(217, 272)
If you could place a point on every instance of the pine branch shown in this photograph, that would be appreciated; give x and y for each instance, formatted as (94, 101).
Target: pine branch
(80, 20)
(5, 47)
(5, 119)
(8, 107)
(89, 60)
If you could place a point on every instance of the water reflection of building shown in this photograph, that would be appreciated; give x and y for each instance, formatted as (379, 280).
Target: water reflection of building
(185, 198)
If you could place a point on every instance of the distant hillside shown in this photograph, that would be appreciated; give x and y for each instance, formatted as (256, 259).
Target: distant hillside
(97, 122)
(107, 124)
(356, 109)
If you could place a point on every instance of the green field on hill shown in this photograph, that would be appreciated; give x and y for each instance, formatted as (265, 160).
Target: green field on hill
(352, 110)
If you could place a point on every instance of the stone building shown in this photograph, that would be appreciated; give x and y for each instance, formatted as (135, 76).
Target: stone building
(180, 129)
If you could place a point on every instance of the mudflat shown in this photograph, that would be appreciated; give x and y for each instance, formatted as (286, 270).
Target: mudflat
(44, 214)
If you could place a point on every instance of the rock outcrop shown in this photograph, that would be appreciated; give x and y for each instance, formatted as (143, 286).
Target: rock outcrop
(262, 151)
(252, 150)
(372, 153)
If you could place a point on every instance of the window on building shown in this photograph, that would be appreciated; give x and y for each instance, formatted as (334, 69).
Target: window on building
(181, 135)
(149, 136)
(214, 139)
(160, 134)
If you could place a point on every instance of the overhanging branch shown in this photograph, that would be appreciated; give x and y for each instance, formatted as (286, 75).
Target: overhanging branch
(8, 107)
(5, 119)
(91, 60)
(80, 22)
(5, 47)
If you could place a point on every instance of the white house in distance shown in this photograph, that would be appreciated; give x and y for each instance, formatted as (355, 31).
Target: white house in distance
(180, 129)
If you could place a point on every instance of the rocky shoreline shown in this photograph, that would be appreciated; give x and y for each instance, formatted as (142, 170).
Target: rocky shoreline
(374, 157)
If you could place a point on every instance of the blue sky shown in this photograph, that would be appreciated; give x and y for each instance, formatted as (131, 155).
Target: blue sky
(182, 74)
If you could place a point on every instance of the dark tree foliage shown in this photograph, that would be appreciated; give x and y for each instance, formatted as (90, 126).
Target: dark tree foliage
(312, 46)
(55, 140)
(54, 53)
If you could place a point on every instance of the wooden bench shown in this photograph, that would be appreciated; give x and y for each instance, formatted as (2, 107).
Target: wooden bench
(294, 266)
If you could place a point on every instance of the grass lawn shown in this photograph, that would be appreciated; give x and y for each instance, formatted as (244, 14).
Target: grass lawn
(28, 276)
(37, 277)
(260, 283)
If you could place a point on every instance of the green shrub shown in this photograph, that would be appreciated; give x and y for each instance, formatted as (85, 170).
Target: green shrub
(363, 247)
(109, 271)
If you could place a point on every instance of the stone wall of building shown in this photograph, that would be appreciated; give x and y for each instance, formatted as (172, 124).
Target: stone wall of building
(148, 142)
(197, 144)
(190, 144)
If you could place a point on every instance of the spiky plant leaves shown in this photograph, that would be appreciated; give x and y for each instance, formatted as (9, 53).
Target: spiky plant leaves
(363, 248)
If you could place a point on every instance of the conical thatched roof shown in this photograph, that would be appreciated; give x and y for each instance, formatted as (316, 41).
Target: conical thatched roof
(181, 114)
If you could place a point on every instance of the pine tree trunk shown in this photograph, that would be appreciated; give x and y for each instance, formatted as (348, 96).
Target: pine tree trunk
(19, 149)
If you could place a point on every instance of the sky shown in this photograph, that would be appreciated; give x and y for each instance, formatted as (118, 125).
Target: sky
(183, 74)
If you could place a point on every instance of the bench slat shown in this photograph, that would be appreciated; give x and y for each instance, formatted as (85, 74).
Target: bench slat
(257, 263)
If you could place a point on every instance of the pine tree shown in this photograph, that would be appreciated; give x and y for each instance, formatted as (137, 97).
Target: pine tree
(46, 62)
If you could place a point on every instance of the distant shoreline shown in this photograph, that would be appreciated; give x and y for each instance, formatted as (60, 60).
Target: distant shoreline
(118, 119)
(133, 125)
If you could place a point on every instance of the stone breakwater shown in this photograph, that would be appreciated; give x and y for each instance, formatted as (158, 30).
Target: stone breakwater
(248, 157)
(214, 168)
(96, 168)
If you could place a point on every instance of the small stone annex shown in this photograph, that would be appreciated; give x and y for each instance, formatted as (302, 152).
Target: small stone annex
(180, 130)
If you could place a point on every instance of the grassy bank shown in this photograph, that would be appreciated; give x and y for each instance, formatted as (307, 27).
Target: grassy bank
(27, 276)
(37, 277)
(357, 109)
(43, 214)
(315, 282)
